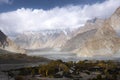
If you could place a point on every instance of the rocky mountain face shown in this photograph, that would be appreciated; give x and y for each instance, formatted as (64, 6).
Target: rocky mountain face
(90, 25)
(106, 40)
(97, 37)
(81, 35)
(114, 21)
(9, 45)
(64, 39)
(43, 39)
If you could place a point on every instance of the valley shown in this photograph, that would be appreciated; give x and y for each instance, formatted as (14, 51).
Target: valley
(50, 50)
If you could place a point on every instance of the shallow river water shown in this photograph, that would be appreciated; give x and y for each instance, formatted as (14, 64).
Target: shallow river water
(65, 56)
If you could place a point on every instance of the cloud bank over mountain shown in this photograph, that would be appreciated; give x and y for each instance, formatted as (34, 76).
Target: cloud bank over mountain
(71, 16)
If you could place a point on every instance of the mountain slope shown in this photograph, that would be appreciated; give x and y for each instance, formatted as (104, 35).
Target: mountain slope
(43, 39)
(106, 41)
(9, 45)
(82, 34)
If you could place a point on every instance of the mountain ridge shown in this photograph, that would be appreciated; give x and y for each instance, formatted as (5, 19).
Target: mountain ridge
(43, 39)
(97, 37)
(8, 44)
(106, 41)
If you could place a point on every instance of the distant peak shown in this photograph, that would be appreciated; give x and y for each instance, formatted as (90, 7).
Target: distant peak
(92, 20)
(117, 11)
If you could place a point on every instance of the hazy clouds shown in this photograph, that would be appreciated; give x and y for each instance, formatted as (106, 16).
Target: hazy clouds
(64, 17)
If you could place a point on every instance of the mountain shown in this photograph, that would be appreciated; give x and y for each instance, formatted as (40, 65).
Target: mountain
(105, 41)
(43, 39)
(9, 45)
(97, 37)
(90, 25)
(62, 39)
(81, 35)
(114, 21)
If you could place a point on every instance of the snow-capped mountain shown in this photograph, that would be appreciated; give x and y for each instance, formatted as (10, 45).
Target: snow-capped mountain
(97, 38)
(43, 38)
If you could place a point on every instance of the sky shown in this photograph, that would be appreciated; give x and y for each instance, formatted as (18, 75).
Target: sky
(17, 16)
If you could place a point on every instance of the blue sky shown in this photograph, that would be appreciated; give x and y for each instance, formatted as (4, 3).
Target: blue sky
(17, 16)
(9, 5)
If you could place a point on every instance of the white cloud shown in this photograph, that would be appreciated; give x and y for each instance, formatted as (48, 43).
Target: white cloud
(5, 1)
(68, 16)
